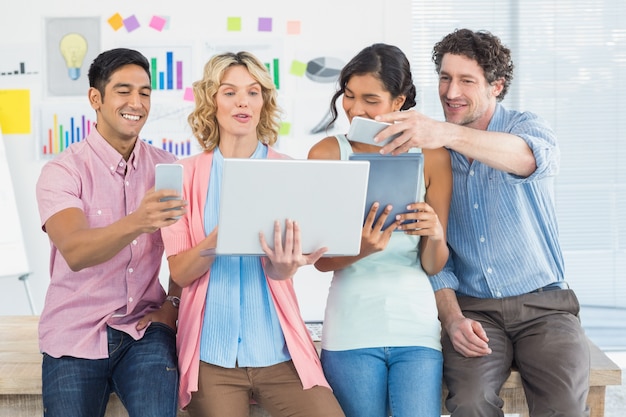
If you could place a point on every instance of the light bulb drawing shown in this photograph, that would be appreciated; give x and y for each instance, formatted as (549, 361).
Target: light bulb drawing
(73, 47)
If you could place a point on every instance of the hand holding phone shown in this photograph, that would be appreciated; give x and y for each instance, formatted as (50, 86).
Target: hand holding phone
(169, 177)
(364, 130)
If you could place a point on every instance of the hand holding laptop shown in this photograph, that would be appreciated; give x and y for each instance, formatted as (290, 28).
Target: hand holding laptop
(287, 256)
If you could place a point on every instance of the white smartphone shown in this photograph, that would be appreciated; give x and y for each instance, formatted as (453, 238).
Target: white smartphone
(168, 177)
(363, 130)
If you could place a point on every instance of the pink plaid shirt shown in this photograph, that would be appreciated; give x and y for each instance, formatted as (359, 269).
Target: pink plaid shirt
(89, 175)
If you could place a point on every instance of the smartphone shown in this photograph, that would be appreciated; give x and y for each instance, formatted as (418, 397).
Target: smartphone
(169, 177)
(363, 130)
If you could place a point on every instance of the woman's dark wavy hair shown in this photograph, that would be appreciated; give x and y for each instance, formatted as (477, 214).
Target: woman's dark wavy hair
(484, 48)
(110, 61)
(385, 62)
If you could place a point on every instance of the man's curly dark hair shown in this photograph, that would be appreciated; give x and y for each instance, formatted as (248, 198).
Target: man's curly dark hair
(483, 47)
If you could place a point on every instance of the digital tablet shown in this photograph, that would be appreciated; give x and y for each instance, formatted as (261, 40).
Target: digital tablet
(325, 197)
(395, 180)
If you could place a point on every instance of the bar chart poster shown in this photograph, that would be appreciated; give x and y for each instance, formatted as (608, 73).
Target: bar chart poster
(63, 124)
(19, 63)
(269, 52)
(167, 129)
(170, 67)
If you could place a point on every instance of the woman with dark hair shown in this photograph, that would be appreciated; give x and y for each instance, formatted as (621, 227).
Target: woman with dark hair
(381, 350)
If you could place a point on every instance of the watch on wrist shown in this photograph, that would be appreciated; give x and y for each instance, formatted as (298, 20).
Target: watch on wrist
(174, 300)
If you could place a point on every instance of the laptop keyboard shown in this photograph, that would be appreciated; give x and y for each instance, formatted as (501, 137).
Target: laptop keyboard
(315, 330)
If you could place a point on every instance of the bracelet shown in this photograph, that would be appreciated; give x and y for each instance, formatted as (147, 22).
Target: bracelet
(174, 300)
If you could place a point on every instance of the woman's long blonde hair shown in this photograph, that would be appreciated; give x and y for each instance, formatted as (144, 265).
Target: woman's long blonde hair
(203, 120)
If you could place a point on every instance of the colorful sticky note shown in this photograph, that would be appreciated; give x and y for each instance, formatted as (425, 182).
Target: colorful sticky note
(116, 21)
(265, 24)
(131, 23)
(293, 27)
(188, 96)
(297, 68)
(157, 23)
(233, 24)
(15, 111)
(285, 128)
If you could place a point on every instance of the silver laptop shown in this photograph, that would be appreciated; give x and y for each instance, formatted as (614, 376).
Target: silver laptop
(326, 198)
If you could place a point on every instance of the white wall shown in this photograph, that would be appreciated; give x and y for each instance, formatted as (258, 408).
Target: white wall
(328, 28)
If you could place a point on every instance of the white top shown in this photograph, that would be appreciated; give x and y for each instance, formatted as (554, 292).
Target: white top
(383, 300)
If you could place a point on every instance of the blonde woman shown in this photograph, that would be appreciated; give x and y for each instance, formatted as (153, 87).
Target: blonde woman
(240, 334)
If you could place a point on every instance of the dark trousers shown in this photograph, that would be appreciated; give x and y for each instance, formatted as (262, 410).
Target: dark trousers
(541, 334)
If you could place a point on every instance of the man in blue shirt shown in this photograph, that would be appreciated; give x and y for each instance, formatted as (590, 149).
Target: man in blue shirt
(502, 297)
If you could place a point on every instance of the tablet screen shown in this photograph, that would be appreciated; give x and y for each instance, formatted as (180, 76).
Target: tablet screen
(393, 179)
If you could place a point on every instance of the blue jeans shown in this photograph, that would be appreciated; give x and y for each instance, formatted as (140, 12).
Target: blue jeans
(143, 373)
(373, 382)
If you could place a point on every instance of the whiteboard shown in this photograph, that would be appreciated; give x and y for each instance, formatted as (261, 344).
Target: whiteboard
(13, 260)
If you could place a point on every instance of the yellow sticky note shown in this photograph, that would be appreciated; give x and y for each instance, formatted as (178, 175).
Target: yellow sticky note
(285, 128)
(116, 21)
(297, 68)
(233, 24)
(15, 111)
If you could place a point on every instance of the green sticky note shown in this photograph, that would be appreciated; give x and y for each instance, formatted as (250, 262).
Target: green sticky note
(233, 24)
(285, 128)
(298, 68)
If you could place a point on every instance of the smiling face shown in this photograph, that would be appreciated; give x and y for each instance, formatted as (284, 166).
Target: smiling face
(239, 103)
(466, 96)
(123, 109)
(366, 96)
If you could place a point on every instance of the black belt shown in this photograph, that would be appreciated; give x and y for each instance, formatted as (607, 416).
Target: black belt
(559, 285)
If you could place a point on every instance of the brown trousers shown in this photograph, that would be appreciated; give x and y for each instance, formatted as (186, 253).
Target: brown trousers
(226, 392)
(540, 333)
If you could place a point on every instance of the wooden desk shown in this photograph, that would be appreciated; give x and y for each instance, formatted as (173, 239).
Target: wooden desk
(20, 377)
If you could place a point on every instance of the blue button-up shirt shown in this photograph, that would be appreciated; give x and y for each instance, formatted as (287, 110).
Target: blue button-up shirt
(241, 326)
(502, 230)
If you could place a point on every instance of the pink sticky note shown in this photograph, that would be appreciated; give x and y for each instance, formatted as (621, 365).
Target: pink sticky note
(131, 23)
(265, 24)
(293, 27)
(158, 23)
(188, 94)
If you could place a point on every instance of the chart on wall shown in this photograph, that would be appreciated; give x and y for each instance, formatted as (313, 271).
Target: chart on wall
(167, 128)
(63, 124)
(269, 51)
(170, 68)
(66, 123)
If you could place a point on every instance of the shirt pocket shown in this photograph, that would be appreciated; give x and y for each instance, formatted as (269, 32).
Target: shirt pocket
(99, 217)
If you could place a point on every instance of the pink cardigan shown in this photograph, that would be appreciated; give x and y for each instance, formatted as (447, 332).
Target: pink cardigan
(185, 234)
